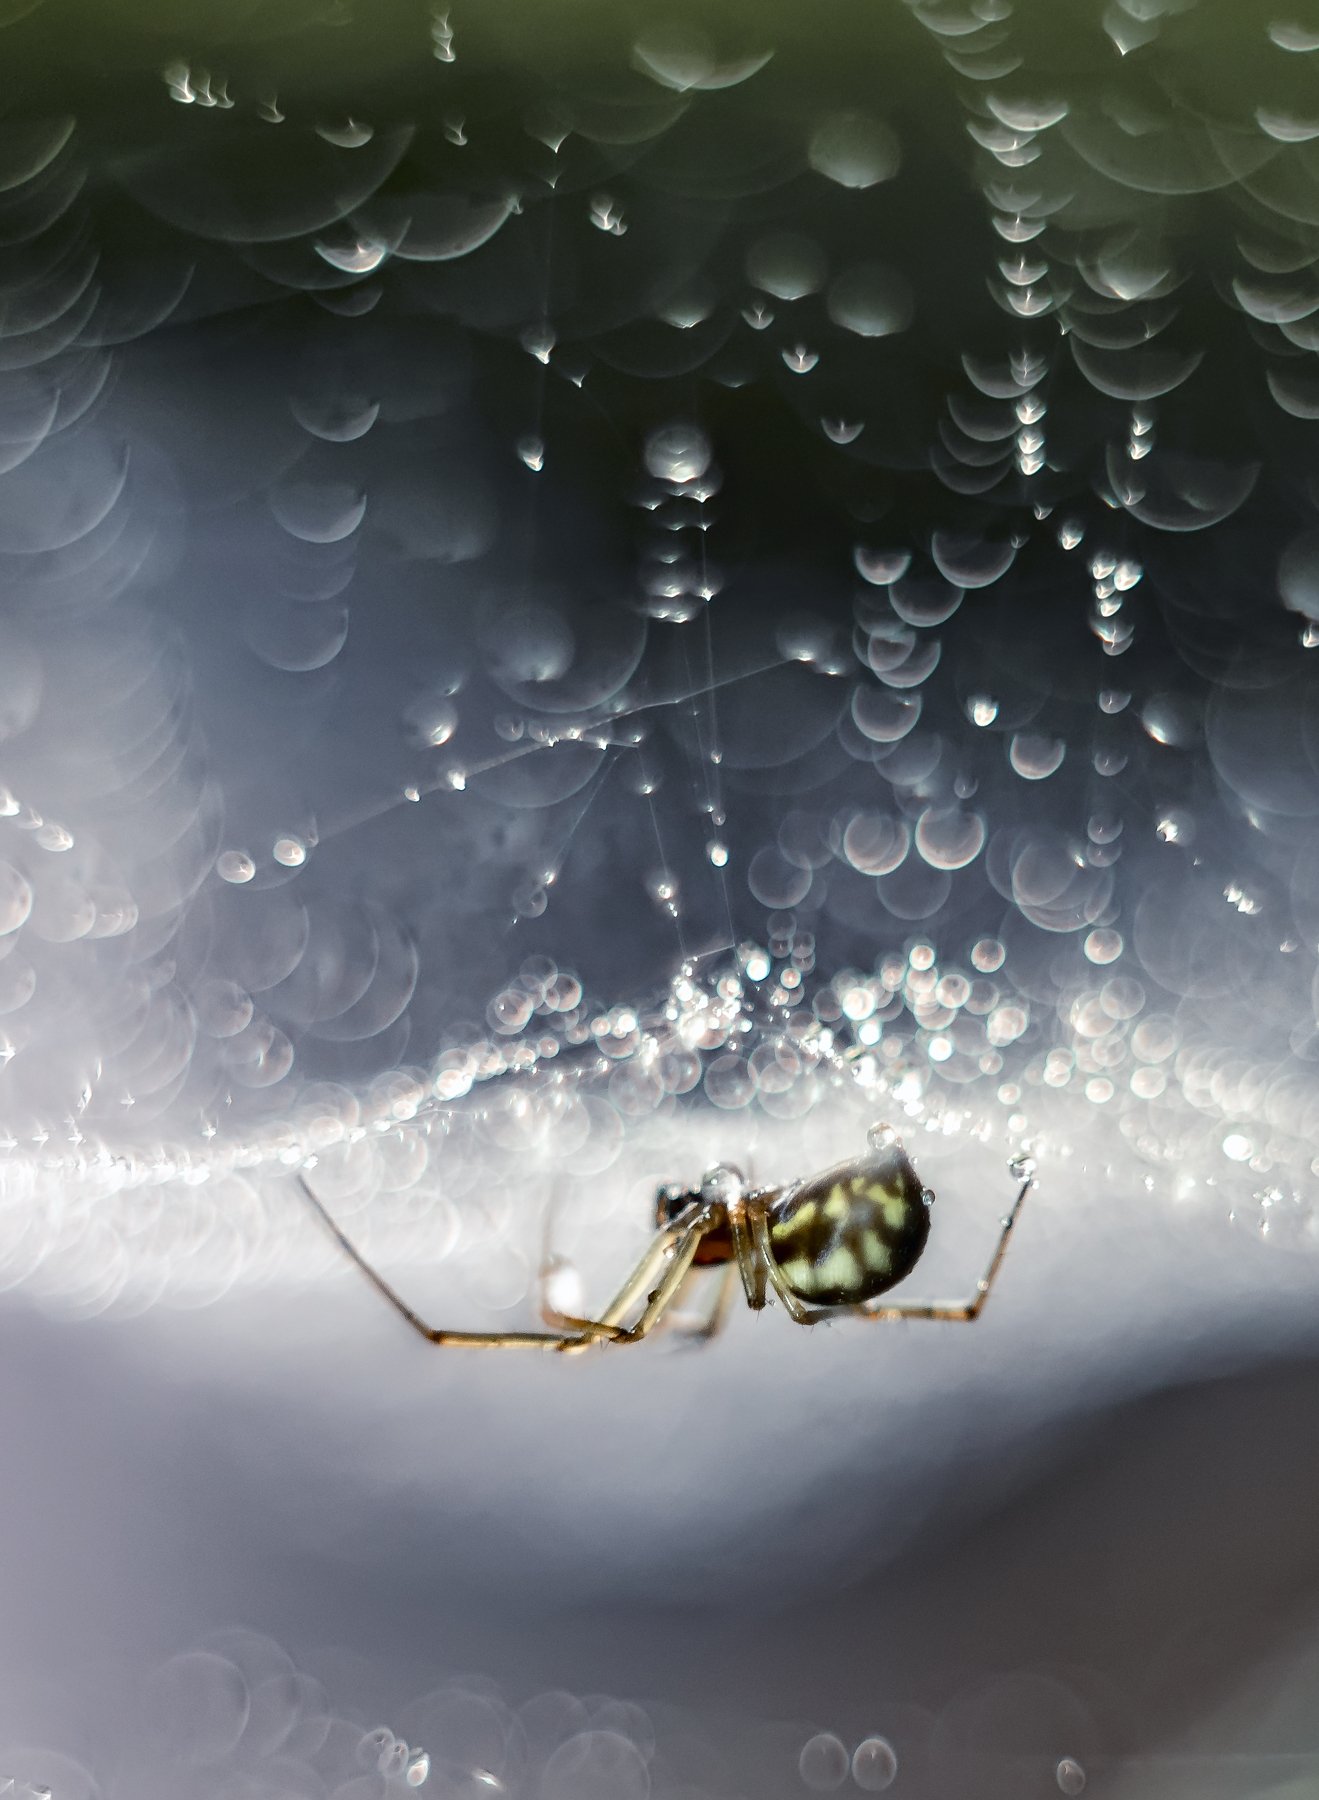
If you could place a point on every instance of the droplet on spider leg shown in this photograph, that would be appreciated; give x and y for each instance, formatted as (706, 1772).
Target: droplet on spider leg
(824, 1762)
(723, 1183)
(874, 1765)
(1022, 1167)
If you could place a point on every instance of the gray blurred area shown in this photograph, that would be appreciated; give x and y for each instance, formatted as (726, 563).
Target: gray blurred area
(1080, 1531)
(589, 592)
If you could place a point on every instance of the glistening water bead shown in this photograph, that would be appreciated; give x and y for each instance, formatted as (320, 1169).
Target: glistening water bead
(874, 1765)
(824, 1762)
(1070, 1777)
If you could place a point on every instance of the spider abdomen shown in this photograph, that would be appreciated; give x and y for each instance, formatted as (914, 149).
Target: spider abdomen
(843, 1237)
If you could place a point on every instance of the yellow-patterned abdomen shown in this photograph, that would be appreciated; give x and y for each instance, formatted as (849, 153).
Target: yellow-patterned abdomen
(847, 1235)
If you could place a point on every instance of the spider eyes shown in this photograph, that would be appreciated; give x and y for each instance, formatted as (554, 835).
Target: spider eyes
(671, 1201)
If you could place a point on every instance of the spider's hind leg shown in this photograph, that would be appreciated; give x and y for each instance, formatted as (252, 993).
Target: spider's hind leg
(959, 1312)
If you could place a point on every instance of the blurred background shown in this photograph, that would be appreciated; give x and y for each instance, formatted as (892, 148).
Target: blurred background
(592, 590)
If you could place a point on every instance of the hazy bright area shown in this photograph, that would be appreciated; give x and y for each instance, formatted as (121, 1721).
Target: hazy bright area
(587, 593)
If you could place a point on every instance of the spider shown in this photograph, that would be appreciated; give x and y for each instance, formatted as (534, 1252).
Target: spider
(827, 1246)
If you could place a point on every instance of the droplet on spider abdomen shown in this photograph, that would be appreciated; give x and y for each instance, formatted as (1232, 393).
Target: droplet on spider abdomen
(853, 1232)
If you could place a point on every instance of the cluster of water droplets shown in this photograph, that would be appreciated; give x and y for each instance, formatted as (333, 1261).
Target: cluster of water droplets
(239, 1713)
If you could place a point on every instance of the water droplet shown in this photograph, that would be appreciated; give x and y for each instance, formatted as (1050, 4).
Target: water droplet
(1034, 756)
(718, 853)
(373, 1745)
(870, 300)
(607, 215)
(1103, 946)
(723, 1183)
(678, 453)
(755, 962)
(988, 955)
(290, 851)
(419, 1767)
(393, 1758)
(874, 1764)
(854, 150)
(1022, 1167)
(234, 865)
(15, 899)
(981, 710)
(824, 1762)
(538, 341)
(532, 451)
(1070, 1776)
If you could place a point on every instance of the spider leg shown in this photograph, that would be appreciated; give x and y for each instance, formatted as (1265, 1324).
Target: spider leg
(953, 1312)
(478, 1340)
(653, 1258)
(751, 1261)
(958, 1312)
(663, 1296)
(716, 1315)
(796, 1309)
